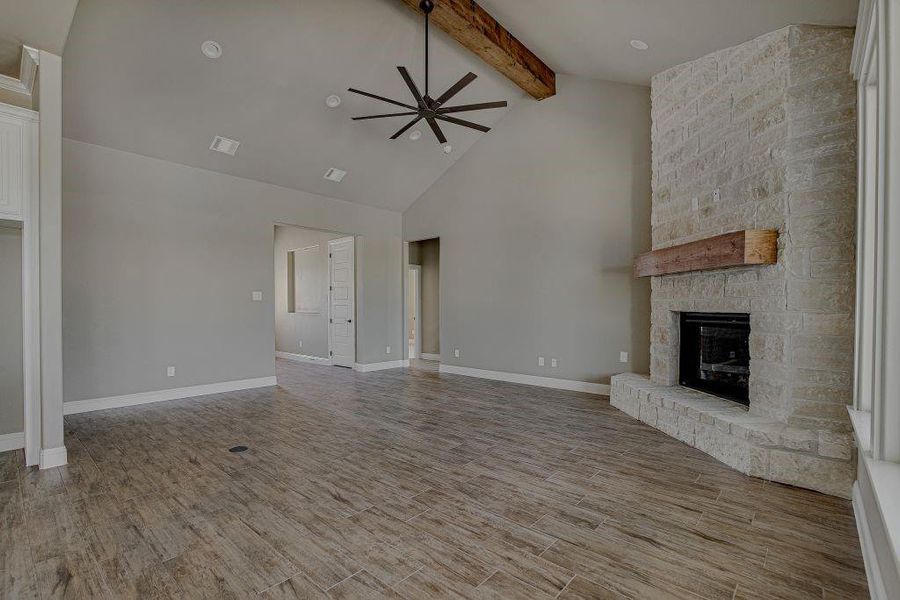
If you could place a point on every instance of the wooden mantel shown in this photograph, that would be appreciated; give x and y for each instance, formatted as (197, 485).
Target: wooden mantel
(736, 249)
(472, 26)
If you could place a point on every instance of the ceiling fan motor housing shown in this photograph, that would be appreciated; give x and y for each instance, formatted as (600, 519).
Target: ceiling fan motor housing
(429, 109)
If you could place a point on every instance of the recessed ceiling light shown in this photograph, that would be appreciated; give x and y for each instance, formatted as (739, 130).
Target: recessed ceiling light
(639, 45)
(211, 49)
(335, 175)
(224, 145)
(415, 135)
(333, 101)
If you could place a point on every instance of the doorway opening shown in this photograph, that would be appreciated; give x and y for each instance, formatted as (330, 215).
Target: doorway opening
(315, 297)
(423, 326)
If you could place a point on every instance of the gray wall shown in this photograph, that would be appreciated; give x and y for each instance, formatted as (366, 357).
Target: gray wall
(159, 262)
(539, 223)
(292, 328)
(11, 376)
(427, 254)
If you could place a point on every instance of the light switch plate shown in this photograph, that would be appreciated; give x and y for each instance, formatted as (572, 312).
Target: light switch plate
(170, 372)
(554, 363)
(456, 352)
(257, 296)
(387, 349)
(540, 361)
(623, 357)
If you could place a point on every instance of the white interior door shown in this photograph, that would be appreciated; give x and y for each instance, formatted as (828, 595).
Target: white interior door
(341, 302)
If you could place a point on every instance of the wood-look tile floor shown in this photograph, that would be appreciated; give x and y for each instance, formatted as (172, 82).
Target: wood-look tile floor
(406, 484)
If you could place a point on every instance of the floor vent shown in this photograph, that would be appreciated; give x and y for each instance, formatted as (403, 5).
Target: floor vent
(238, 449)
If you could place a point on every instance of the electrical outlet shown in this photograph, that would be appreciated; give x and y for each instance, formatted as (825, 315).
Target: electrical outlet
(695, 203)
(554, 363)
(623, 357)
(717, 195)
(256, 296)
(387, 349)
(540, 361)
(170, 372)
(456, 352)
(301, 343)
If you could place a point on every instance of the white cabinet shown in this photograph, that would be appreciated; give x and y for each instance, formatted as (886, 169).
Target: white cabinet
(18, 129)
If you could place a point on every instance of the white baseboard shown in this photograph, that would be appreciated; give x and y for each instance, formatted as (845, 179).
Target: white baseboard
(426, 356)
(548, 382)
(80, 406)
(304, 358)
(12, 441)
(870, 559)
(392, 364)
(53, 457)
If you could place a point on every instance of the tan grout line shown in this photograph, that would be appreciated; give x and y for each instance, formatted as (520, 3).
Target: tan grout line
(407, 577)
(488, 577)
(558, 594)
(344, 579)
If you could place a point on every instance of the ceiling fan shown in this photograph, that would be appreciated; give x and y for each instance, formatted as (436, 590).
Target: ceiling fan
(431, 109)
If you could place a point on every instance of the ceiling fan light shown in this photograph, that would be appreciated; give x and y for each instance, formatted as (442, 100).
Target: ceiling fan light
(415, 135)
(448, 149)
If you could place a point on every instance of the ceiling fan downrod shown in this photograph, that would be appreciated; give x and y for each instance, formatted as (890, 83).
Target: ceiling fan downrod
(426, 108)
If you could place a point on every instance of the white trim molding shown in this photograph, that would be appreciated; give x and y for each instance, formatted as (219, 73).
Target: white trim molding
(53, 457)
(80, 406)
(12, 441)
(427, 356)
(27, 72)
(868, 546)
(382, 366)
(303, 358)
(875, 494)
(571, 385)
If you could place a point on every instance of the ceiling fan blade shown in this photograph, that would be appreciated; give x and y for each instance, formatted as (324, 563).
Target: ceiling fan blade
(412, 86)
(469, 124)
(382, 98)
(406, 128)
(403, 114)
(437, 130)
(455, 89)
(468, 107)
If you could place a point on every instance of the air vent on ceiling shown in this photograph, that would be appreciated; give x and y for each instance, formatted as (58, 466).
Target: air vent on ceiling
(224, 145)
(335, 175)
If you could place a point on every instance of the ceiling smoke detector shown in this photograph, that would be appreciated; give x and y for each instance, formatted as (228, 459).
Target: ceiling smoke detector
(335, 175)
(639, 45)
(224, 145)
(211, 49)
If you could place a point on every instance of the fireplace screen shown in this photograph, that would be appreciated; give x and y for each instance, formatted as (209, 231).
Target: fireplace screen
(715, 354)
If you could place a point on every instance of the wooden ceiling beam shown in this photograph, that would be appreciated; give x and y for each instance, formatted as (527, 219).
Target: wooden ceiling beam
(470, 25)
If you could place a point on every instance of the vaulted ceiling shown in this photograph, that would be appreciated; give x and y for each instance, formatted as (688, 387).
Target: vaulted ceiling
(135, 79)
(590, 38)
(41, 24)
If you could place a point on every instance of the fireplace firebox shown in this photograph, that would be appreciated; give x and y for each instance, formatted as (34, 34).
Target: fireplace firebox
(715, 354)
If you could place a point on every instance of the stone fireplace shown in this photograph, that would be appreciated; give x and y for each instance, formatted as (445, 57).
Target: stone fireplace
(759, 136)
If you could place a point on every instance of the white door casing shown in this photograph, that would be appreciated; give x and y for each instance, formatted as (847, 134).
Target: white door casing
(341, 302)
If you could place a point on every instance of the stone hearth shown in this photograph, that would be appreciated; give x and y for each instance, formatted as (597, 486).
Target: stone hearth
(760, 136)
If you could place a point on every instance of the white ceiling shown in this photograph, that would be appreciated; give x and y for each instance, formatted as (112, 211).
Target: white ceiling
(590, 38)
(42, 24)
(134, 77)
